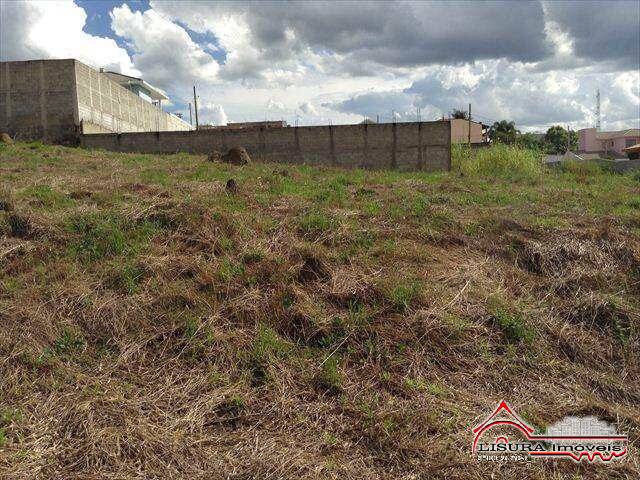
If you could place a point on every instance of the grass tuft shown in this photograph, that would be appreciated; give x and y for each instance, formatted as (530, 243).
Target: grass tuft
(513, 326)
(498, 161)
(329, 379)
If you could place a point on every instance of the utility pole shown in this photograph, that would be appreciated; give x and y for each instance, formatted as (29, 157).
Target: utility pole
(598, 110)
(190, 119)
(469, 124)
(195, 105)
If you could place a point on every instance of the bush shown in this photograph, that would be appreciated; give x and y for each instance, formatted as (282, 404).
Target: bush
(582, 168)
(499, 160)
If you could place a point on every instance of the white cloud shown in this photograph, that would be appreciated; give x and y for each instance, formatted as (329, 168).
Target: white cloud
(164, 52)
(503, 90)
(629, 84)
(308, 108)
(315, 63)
(212, 113)
(53, 29)
(272, 105)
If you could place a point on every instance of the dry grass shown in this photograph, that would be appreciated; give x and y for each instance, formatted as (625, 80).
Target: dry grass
(317, 324)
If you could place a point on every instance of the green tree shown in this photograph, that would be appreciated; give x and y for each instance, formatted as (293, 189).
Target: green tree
(503, 132)
(556, 140)
(456, 113)
(530, 140)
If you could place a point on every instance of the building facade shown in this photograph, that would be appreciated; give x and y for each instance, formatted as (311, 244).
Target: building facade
(460, 131)
(592, 141)
(56, 100)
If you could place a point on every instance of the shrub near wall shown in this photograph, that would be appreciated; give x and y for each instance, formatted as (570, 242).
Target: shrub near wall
(499, 160)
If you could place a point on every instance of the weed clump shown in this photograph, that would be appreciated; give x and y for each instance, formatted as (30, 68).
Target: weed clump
(267, 347)
(99, 236)
(513, 326)
(403, 295)
(498, 161)
(329, 379)
(313, 224)
(581, 168)
(19, 226)
(47, 196)
(68, 342)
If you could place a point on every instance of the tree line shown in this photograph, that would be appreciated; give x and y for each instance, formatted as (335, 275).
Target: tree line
(555, 140)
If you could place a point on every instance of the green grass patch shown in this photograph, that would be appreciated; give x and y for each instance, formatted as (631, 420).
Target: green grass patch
(126, 277)
(103, 235)
(266, 347)
(229, 270)
(513, 326)
(154, 175)
(329, 379)
(498, 161)
(47, 196)
(403, 295)
(68, 342)
(314, 224)
(582, 168)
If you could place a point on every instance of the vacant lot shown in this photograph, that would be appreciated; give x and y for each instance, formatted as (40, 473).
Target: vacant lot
(317, 323)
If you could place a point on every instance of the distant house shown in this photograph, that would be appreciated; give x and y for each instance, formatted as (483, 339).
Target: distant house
(592, 141)
(633, 152)
(138, 86)
(460, 131)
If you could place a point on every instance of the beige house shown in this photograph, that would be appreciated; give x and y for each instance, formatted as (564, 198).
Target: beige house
(460, 131)
(592, 141)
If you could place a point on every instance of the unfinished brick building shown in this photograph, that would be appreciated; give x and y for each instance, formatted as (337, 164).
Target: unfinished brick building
(56, 100)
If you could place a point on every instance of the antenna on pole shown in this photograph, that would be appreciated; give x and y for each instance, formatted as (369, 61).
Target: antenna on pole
(598, 110)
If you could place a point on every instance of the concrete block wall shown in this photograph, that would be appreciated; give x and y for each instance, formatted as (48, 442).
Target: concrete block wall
(54, 100)
(37, 100)
(106, 106)
(404, 146)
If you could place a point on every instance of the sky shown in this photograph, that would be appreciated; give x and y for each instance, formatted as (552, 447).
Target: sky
(537, 63)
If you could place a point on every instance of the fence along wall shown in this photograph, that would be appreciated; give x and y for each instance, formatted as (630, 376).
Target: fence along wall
(404, 146)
